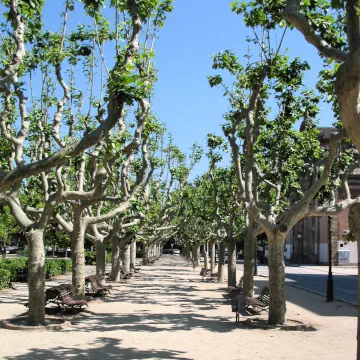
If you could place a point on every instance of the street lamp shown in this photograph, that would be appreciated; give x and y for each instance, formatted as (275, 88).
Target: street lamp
(330, 280)
(299, 235)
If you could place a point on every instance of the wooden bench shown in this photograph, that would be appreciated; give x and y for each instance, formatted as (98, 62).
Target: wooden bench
(258, 303)
(64, 296)
(133, 268)
(93, 285)
(124, 275)
(239, 288)
(203, 272)
(264, 296)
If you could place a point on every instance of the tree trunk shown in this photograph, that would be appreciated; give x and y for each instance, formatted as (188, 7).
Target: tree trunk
(133, 253)
(231, 262)
(347, 91)
(221, 267)
(100, 247)
(145, 260)
(36, 277)
(354, 223)
(206, 256)
(77, 254)
(249, 252)
(277, 309)
(115, 260)
(212, 257)
(186, 252)
(126, 264)
(195, 254)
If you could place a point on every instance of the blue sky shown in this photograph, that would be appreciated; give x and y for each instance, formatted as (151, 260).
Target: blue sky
(194, 31)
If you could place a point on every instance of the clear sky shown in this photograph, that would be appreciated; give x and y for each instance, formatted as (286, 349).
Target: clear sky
(194, 31)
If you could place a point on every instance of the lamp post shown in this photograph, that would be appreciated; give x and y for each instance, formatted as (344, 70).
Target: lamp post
(299, 235)
(255, 267)
(330, 280)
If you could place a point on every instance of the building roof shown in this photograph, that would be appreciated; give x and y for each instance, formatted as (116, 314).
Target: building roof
(325, 132)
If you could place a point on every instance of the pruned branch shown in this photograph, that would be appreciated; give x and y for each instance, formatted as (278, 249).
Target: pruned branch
(293, 15)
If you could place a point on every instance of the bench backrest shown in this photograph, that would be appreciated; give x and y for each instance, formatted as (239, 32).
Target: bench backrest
(264, 296)
(95, 280)
(65, 290)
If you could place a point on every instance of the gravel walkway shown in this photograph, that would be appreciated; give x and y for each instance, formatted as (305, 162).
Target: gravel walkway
(168, 313)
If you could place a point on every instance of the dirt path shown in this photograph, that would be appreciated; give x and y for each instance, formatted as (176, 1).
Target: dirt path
(168, 313)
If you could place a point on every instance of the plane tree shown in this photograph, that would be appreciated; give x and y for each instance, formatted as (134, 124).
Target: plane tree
(332, 28)
(279, 170)
(166, 197)
(228, 213)
(57, 127)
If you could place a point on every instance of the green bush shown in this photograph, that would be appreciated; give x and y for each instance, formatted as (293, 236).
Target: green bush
(52, 269)
(16, 269)
(56, 267)
(90, 257)
(4, 278)
(65, 265)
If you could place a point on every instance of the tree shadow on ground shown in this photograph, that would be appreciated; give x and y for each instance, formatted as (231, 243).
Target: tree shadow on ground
(312, 302)
(106, 348)
(147, 322)
(167, 295)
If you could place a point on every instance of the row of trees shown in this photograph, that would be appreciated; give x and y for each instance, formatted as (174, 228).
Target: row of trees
(278, 175)
(81, 151)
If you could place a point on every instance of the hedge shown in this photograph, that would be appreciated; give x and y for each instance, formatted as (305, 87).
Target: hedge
(16, 269)
(90, 257)
(4, 278)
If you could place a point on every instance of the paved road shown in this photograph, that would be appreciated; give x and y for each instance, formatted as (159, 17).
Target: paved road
(345, 286)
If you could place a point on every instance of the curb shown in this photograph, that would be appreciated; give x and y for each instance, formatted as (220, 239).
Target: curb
(335, 272)
(317, 293)
(58, 324)
(258, 324)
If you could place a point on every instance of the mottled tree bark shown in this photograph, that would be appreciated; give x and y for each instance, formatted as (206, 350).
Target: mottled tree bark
(206, 256)
(36, 277)
(221, 267)
(277, 309)
(195, 254)
(126, 264)
(198, 255)
(231, 262)
(115, 260)
(249, 252)
(133, 253)
(100, 247)
(212, 257)
(145, 260)
(77, 254)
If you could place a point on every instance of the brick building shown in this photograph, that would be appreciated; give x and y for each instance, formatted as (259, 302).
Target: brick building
(307, 242)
